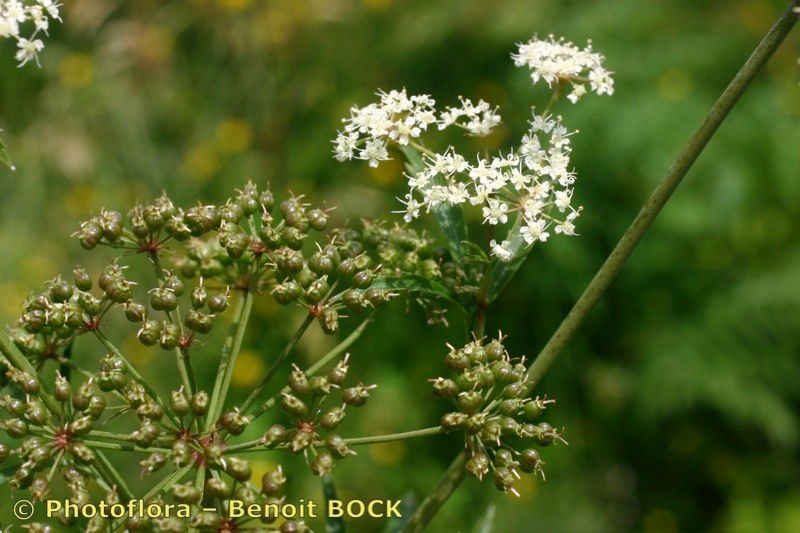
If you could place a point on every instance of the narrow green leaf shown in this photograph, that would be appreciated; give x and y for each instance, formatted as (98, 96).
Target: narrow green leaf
(450, 218)
(412, 282)
(502, 272)
(407, 508)
(332, 525)
(474, 253)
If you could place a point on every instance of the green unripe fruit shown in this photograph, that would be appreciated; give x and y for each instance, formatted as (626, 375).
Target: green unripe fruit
(329, 320)
(274, 436)
(135, 312)
(293, 406)
(199, 322)
(363, 278)
(444, 388)
(272, 482)
(186, 493)
(217, 488)
(163, 299)
(218, 303)
(170, 336)
(322, 464)
(179, 402)
(82, 279)
(96, 407)
(317, 219)
(293, 237)
(199, 403)
(16, 428)
(60, 291)
(199, 297)
(332, 418)
(453, 421)
(504, 479)
(238, 468)
(470, 401)
(530, 461)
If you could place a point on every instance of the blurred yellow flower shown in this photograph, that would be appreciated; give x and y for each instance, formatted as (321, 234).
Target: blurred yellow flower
(249, 369)
(675, 84)
(200, 163)
(76, 70)
(376, 5)
(260, 467)
(387, 453)
(80, 200)
(388, 173)
(234, 5)
(234, 135)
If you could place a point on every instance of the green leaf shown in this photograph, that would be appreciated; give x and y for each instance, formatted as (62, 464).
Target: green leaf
(449, 217)
(486, 523)
(474, 253)
(502, 272)
(412, 282)
(332, 524)
(407, 508)
(5, 159)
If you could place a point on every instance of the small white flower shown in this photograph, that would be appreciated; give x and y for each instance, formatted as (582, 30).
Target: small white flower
(374, 151)
(27, 50)
(534, 231)
(496, 212)
(501, 251)
(16, 15)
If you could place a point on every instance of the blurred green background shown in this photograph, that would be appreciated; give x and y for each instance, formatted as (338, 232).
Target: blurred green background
(680, 396)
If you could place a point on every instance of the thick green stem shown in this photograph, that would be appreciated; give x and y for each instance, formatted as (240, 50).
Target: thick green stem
(338, 350)
(449, 482)
(277, 363)
(604, 277)
(230, 352)
(393, 437)
(663, 191)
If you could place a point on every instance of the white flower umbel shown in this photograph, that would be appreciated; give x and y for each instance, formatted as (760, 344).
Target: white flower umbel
(526, 192)
(397, 118)
(559, 62)
(17, 15)
(534, 182)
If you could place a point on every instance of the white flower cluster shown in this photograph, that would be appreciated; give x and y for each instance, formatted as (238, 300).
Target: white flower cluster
(529, 189)
(400, 118)
(560, 61)
(478, 119)
(534, 181)
(397, 117)
(15, 13)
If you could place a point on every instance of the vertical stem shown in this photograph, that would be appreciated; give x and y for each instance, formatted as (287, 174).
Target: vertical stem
(230, 352)
(663, 191)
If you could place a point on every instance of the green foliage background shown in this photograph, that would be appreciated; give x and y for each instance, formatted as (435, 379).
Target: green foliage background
(679, 397)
